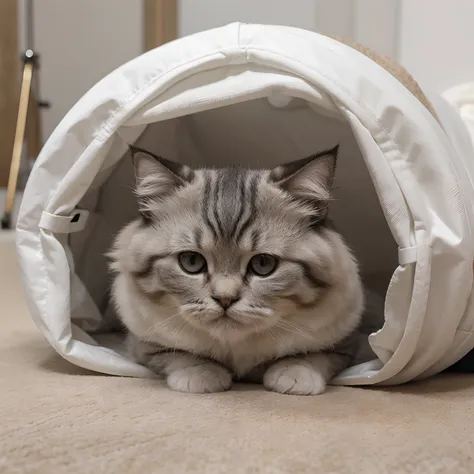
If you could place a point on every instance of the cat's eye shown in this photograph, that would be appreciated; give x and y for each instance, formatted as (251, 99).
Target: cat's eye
(192, 262)
(263, 264)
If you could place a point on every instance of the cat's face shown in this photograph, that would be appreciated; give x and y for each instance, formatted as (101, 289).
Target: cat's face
(232, 251)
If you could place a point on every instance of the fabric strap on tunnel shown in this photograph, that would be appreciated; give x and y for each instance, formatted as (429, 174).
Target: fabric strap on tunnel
(74, 222)
(407, 255)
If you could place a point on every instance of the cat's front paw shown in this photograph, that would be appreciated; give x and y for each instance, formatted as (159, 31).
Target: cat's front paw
(201, 378)
(294, 378)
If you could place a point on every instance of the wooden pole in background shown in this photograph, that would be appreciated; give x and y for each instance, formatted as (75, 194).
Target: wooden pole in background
(161, 22)
(9, 82)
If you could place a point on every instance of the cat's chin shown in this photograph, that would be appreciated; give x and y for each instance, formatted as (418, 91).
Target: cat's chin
(227, 329)
(232, 326)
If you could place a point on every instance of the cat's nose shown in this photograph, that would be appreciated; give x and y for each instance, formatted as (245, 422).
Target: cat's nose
(225, 301)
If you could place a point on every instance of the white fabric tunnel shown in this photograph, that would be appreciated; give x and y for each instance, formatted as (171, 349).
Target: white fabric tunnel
(260, 96)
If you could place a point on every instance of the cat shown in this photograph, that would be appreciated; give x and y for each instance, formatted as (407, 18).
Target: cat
(236, 274)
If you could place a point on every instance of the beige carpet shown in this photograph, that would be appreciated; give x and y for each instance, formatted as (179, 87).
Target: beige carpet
(55, 418)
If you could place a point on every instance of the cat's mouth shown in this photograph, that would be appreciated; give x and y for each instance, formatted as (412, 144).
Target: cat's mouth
(222, 323)
(217, 321)
(225, 318)
(225, 324)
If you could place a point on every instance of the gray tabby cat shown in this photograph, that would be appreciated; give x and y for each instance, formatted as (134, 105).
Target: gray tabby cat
(234, 274)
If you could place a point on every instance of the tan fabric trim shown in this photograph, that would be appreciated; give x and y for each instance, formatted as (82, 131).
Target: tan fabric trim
(395, 69)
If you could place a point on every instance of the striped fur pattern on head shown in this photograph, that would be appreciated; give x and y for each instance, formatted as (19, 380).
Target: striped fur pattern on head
(236, 272)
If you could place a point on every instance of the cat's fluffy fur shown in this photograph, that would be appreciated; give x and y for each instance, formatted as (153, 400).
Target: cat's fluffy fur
(290, 330)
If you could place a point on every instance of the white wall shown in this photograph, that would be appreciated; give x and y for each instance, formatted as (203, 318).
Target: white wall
(370, 21)
(79, 42)
(437, 41)
(198, 15)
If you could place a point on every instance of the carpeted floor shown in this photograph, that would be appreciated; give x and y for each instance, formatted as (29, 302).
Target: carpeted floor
(55, 418)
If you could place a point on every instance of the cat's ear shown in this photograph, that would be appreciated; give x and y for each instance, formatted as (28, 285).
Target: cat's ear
(309, 179)
(156, 177)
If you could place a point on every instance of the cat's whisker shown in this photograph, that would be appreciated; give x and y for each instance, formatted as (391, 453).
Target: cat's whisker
(178, 337)
(293, 328)
(299, 327)
(256, 311)
(276, 337)
(256, 326)
(161, 325)
(151, 332)
(270, 333)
